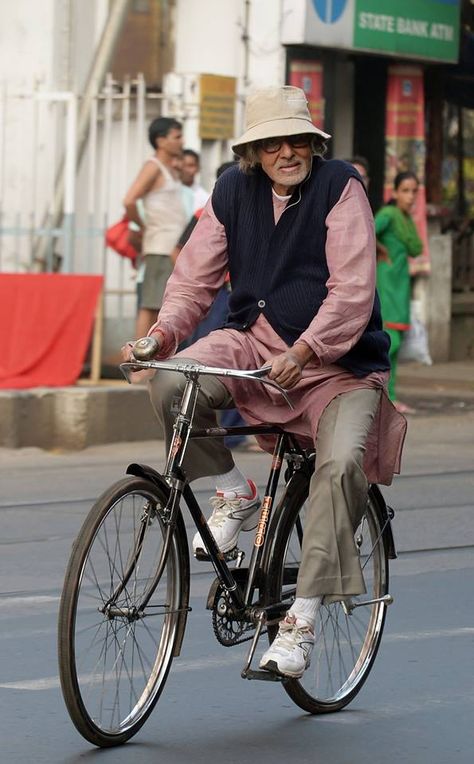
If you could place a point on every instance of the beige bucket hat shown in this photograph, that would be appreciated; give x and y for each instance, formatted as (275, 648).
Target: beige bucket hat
(276, 111)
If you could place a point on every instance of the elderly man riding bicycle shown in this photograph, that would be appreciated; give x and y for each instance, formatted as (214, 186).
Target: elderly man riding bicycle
(296, 234)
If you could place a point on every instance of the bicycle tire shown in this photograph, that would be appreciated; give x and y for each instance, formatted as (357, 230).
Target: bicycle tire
(346, 645)
(113, 664)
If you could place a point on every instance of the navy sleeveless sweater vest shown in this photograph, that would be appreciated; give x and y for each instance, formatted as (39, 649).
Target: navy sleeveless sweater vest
(281, 270)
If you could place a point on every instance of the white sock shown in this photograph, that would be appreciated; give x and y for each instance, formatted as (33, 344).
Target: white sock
(233, 481)
(306, 609)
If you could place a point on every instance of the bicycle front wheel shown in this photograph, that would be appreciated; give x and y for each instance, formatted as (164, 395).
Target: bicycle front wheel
(347, 634)
(115, 655)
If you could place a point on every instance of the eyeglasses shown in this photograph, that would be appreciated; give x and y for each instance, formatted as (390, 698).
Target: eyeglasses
(272, 145)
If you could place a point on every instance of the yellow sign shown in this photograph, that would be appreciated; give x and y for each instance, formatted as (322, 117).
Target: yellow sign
(217, 107)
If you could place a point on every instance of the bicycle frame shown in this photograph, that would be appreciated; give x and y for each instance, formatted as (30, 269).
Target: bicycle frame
(176, 480)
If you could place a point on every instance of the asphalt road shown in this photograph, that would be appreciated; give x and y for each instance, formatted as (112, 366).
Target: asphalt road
(416, 707)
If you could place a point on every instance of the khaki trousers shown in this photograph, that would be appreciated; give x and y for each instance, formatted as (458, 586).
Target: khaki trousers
(338, 489)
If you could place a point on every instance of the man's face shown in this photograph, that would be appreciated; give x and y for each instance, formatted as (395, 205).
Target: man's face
(177, 165)
(190, 169)
(172, 142)
(286, 161)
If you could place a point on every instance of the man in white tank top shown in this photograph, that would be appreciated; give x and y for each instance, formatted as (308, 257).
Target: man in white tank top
(160, 189)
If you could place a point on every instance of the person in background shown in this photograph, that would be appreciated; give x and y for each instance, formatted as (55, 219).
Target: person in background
(362, 166)
(396, 232)
(160, 189)
(186, 191)
(297, 235)
(190, 171)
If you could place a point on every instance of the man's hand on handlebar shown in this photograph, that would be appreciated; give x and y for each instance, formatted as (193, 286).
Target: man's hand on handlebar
(287, 368)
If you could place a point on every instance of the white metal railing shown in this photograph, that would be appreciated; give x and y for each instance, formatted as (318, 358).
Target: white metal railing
(41, 161)
(58, 193)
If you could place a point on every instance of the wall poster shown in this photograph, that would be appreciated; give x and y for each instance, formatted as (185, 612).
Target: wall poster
(405, 146)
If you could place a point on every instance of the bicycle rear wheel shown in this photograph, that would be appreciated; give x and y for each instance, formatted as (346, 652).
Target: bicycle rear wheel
(114, 657)
(347, 634)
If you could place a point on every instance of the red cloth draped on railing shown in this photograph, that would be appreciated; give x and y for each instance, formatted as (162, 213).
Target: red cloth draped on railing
(46, 323)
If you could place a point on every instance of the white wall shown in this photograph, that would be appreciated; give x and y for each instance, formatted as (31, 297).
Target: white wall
(45, 45)
(267, 55)
(51, 41)
(209, 40)
(87, 22)
(207, 34)
(26, 32)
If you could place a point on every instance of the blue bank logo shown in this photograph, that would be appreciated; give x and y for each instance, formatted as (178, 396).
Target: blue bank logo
(329, 11)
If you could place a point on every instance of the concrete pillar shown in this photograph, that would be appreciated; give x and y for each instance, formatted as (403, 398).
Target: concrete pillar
(343, 129)
(434, 293)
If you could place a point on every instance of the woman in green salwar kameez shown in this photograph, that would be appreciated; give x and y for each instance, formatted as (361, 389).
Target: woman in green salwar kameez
(399, 240)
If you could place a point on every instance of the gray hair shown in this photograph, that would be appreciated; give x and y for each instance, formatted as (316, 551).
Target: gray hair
(249, 159)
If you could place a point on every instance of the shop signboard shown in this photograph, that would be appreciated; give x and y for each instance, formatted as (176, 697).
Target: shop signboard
(217, 96)
(417, 29)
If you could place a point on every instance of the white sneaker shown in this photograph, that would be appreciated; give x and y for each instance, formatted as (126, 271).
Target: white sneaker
(290, 652)
(231, 514)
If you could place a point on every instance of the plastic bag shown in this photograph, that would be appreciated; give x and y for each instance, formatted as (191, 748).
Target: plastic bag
(116, 237)
(414, 345)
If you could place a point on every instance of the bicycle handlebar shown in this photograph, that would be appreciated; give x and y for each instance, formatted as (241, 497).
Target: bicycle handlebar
(195, 370)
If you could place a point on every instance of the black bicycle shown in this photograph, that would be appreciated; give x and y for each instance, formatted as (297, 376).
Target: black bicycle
(125, 598)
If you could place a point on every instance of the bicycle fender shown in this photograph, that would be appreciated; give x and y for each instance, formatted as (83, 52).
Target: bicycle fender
(297, 484)
(149, 473)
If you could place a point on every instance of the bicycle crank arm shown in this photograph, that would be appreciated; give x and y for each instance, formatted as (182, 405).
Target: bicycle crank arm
(387, 599)
(246, 669)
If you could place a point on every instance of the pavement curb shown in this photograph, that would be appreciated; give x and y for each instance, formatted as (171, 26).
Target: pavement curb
(432, 380)
(76, 417)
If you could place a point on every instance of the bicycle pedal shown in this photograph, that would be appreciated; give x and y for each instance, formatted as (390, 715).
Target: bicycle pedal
(201, 555)
(233, 554)
(264, 676)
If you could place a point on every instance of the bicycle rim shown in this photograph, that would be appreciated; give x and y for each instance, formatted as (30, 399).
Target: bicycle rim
(114, 659)
(346, 640)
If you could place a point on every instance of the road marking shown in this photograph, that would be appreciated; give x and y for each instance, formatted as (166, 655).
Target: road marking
(47, 683)
(414, 636)
(200, 664)
(39, 599)
(52, 682)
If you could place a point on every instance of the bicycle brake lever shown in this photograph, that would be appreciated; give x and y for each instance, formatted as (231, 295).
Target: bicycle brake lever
(261, 372)
(281, 390)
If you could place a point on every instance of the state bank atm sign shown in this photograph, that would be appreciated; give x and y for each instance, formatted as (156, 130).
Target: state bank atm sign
(420, 29)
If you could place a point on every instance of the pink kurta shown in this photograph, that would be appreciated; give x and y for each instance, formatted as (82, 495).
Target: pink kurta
(350, 250)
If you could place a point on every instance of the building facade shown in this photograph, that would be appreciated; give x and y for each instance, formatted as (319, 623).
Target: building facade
(391, 80)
